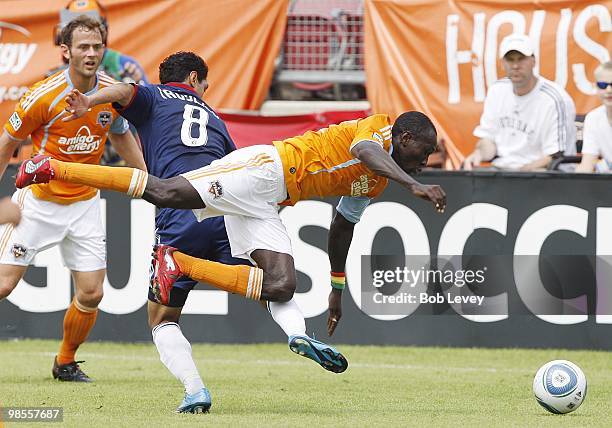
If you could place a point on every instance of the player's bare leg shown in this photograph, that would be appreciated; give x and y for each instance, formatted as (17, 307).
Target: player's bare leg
(175, 353)
(175, 192)
(78, 322)
(279, 277)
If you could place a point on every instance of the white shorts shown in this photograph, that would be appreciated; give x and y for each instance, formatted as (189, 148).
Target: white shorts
(77, 229)
(246, 187)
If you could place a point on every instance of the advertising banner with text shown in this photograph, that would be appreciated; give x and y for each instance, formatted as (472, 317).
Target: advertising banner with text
(513, 262)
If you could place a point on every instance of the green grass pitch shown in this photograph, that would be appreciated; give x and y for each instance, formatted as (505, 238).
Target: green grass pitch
(267, 385)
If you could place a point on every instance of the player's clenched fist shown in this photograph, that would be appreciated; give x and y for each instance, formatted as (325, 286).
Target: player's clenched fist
(433, 193)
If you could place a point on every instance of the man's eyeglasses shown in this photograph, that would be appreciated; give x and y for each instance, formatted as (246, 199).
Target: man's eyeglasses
(603, 85)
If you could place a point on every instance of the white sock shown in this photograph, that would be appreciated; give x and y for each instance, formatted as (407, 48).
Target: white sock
(288, 316)
(175, 352)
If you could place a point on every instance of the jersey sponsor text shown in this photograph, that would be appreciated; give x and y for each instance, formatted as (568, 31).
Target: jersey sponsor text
(83, 143)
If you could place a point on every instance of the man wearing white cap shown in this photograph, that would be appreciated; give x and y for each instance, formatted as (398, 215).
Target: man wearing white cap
(526, 119)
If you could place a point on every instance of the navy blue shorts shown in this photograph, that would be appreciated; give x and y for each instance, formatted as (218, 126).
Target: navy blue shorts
(205, 240)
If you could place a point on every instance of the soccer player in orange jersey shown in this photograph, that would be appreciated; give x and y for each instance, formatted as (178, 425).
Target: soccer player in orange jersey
(59, 213)
(354, 160)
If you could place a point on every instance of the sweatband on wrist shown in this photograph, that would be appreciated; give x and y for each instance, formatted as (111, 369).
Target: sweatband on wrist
(338, 280)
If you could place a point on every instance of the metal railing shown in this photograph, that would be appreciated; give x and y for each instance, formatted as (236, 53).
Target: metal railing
(323, 42)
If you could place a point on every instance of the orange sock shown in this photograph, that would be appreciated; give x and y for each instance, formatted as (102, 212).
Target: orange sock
(240, 279)
(78, 322)
(121, 179)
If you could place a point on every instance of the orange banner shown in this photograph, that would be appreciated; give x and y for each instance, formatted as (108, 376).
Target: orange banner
(439, 56)
(239, 39)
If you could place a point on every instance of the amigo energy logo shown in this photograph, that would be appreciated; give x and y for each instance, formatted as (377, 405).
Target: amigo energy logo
(84, 142)
(14, 57)
(362, 185)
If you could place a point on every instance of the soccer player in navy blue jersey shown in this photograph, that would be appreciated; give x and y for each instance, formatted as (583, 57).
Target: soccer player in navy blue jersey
(180, 133)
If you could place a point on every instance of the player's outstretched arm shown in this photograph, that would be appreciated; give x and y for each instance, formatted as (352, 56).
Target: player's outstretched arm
(338, 243)
(79, 104)
(382, 164)
(128, 149)
(8, 145)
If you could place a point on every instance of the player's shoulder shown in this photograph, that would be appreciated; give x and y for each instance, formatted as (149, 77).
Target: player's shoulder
(105, 80)
(44, 91)
(375, 121)
(376, 127)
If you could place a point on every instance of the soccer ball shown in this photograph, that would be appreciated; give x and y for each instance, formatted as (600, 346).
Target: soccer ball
(560, 386)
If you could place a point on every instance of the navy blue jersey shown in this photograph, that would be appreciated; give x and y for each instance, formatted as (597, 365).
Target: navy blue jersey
(179, 131)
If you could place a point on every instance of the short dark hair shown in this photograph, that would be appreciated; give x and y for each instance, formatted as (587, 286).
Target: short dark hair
(82, 21)
(418, 124)
(176, 67)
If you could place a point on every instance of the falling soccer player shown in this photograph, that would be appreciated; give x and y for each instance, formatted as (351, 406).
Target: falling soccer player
(354, 160)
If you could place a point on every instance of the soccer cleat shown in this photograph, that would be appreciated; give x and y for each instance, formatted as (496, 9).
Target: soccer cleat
(199, 402)
(70, 372)
(164, 272)
(34, 171)
(327, 356)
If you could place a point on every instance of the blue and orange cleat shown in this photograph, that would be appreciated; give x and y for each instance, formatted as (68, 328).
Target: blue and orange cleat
(199, 402)
(164, 272)
(34, 171)
(327, 356)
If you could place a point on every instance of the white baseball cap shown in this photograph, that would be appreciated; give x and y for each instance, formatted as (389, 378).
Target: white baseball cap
(516, 42)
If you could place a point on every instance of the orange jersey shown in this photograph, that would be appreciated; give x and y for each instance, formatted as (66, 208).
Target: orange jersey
(39, 114)
(320, 164)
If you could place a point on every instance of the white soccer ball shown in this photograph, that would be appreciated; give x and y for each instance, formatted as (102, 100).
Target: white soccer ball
(560, 386)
